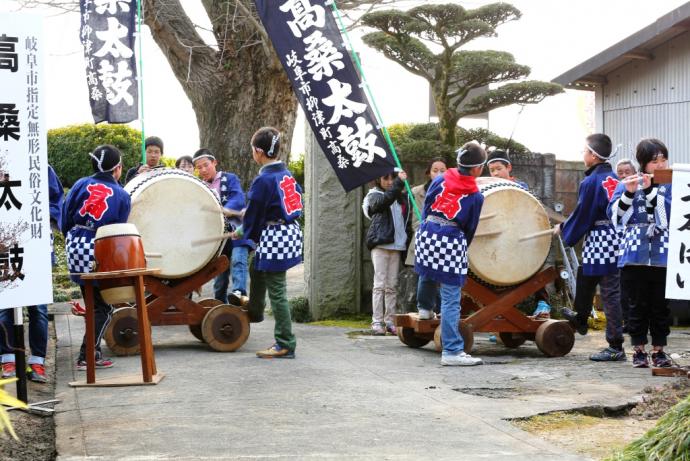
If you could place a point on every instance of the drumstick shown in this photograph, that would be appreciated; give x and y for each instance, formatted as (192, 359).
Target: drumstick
(153, 255)
(488, 216)
(536, 235)
(196, 243)
(225, 211)
(489, 234)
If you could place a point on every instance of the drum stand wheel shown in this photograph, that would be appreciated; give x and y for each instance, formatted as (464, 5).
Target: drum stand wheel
(512, 340)
(122, 333)
(225, 328)
(555, 338)
(208, 303)
(408, 337)
(466, 333)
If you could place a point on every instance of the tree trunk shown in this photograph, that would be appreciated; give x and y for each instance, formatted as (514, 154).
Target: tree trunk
(228, 116)
(235, 89)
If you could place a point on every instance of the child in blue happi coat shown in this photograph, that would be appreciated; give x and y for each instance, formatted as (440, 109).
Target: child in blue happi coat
(500, 166)
(600, 251)
(643, 209)
(94, 201)
(270, 220)
(624, 169)
(227, 188)
(451, 215)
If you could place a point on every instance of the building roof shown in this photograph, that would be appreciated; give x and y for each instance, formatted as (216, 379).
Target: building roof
(593, 72)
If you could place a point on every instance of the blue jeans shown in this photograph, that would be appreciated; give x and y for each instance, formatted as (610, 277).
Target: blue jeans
(450, 320)
(238, 268)
(427, 294)
(38, 334)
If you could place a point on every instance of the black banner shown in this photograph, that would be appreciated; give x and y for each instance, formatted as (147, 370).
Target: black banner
(308, 41)
(107, 34)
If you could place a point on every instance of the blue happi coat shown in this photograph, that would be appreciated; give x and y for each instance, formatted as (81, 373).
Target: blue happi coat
(451, 214)
(589, 220)
(275, 204)
(56, 195)
(642, 217)
(232, 198)
(92, 202)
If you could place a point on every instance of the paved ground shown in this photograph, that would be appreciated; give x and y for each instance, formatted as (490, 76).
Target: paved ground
(341, 398)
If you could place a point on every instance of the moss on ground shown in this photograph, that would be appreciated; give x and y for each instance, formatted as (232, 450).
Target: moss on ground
(557, 420)
(352, 321)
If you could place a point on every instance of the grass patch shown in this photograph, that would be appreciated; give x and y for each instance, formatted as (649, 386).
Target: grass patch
(668, 440)
(554, 421)
(352, 321)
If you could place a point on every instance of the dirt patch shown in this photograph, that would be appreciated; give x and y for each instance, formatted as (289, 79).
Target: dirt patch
(36, 432)
(656, 400)
(600, 431)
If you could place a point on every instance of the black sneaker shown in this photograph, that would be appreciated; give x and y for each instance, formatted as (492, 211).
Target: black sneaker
(609, 354)
(571, 316)
(640, 359)
(661, 360)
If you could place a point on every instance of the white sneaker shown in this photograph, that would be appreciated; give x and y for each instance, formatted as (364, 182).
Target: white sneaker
(460, 360)
(426, 314)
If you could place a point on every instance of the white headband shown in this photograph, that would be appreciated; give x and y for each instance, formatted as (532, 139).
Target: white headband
(460, 152)
(99, 161)
(208, 156)
(273, 145)
(596, 154)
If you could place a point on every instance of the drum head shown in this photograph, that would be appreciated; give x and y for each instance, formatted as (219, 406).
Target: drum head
(171, 209)
(502, 259)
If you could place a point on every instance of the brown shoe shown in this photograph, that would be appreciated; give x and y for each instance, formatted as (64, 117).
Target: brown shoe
(276, 352)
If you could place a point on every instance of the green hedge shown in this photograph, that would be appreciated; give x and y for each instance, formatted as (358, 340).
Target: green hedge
(422, 142)
(68, 148)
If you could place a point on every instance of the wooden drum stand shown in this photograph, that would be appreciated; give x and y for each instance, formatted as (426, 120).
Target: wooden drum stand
(488, 311)
(223, 327)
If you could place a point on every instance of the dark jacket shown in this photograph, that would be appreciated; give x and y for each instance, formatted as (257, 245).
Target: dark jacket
(377, 207)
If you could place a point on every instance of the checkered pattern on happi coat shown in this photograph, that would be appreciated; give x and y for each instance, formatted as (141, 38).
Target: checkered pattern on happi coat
(441, 253)
(601, 247)
(280, 242)
(79, 253)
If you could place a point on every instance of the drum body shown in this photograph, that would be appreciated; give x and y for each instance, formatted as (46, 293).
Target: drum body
(118, 247)
(509, 213)
(172, 209)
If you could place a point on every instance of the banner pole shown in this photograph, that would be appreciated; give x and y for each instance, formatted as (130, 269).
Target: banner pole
(140, 78)
(365, 85)
(20, 354)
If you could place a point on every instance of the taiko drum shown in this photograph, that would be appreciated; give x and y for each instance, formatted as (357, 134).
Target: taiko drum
(118, 247)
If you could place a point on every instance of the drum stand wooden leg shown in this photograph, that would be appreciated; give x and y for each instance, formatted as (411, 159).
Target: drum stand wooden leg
(148, 362)
(496, 313)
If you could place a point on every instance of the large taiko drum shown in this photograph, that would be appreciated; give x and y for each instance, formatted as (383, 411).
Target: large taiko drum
(172, 209)
(118, 247)
(499, 254)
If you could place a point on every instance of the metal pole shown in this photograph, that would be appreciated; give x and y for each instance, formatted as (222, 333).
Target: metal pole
(20, 354)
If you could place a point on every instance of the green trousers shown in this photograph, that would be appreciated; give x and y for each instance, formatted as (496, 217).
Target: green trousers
(276, 285)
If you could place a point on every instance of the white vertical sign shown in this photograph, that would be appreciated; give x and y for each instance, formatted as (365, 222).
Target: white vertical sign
(678, 266)
(25, 266)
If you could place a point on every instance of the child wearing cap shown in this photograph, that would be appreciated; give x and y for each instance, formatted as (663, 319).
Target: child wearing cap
(154, 152)
(270, 220)
(643, 210)
(500, 166)
(451, 215)
(388, 208)
(228, 189)
(600, 250)
(94, 201)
